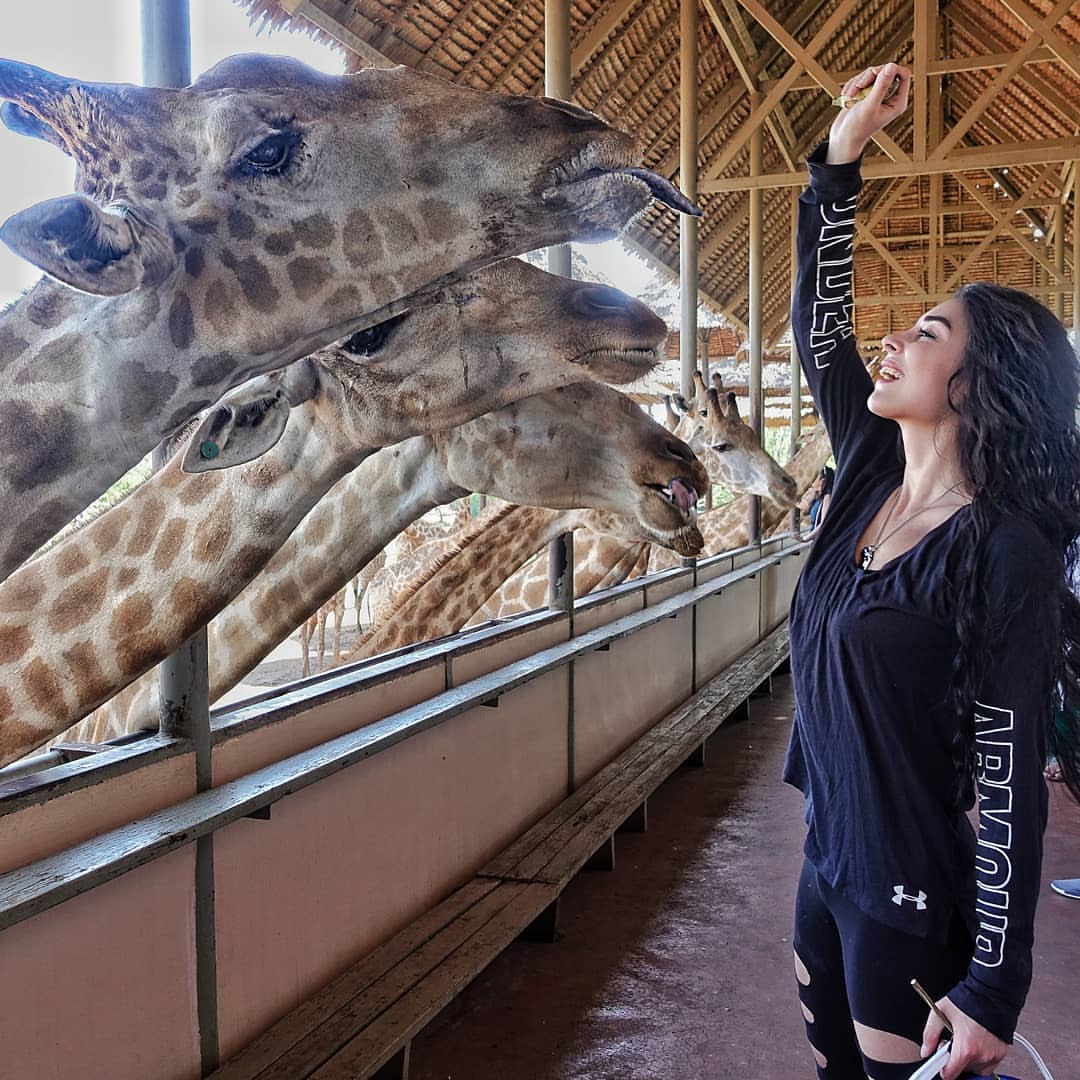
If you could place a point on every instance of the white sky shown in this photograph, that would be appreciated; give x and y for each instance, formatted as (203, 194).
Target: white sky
(98, 40)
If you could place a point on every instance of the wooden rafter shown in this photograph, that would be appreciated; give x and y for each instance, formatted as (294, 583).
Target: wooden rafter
(1002, 156)
(990, 92)
(1046, 29)
(806, 58)
(744, 54)
(596, 35)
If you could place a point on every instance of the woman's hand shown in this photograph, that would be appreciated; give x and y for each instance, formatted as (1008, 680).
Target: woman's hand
(856, 125)
(973, 1047)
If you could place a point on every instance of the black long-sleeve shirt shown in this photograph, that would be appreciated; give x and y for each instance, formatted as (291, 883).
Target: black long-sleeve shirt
(871, 658)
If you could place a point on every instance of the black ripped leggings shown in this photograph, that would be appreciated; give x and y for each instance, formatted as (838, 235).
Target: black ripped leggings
(861, 969)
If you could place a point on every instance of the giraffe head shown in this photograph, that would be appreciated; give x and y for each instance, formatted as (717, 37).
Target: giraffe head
(730, 448)
(584, 445)
(499, 334)
(270, 209)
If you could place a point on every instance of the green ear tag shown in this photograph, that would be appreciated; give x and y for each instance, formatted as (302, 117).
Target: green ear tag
(208, 449)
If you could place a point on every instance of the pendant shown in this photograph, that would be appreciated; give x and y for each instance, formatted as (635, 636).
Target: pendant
(866, 556)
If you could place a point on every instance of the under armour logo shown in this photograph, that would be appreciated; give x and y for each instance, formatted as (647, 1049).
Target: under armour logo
(899, 896)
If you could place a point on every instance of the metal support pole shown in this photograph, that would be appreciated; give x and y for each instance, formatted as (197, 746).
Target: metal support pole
(755, 302)
(1059, 261)
(557, 85)
(688, 180)
(183, 677)
(796, 367)
(1076, 255)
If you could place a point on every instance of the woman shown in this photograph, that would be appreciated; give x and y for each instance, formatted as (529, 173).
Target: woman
(930, 630)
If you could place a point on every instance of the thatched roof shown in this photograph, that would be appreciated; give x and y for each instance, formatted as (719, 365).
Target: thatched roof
(958, 197)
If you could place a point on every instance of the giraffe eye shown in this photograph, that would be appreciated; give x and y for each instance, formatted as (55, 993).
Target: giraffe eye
(370, 341)
(273, 156)
(720, 447)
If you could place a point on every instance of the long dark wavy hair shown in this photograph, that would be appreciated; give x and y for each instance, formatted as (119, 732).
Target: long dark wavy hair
(1015, 395)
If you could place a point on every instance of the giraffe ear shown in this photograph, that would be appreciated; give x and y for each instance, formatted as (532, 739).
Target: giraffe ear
(21, 121)
(104, 252)
(239, 429)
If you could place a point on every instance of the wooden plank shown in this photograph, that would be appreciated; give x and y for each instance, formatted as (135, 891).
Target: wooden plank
(300, 1022)
(396, 987)
(561, 846)
(743, 675)
(405, 1017)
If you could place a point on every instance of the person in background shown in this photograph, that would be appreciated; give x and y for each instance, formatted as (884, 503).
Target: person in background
(817, 500)
(931, 631)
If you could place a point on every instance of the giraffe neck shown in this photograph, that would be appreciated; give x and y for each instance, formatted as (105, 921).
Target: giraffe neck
(106, 604)
(488, 553)
(326, 550)
(88, 388)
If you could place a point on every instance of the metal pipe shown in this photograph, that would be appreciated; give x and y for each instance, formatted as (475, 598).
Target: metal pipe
(756, 260)
(166, 42)
(688, 180)
(557, 84)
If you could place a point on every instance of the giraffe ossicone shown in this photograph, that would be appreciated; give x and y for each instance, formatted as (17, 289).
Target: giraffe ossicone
(230, 227)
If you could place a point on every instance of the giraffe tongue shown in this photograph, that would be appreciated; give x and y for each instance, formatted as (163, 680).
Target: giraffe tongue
(685, 497)
(664, 191)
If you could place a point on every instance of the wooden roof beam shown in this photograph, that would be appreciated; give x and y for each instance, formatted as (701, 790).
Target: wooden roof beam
(941, 66)
(1046, 29)
(805, 57)
(1003, 77)
(735, 35)
(983, 157)
(390, 51)
(773, 97)
(595, 36)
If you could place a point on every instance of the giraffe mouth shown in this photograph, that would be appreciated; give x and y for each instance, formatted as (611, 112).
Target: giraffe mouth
(579, 172)
(678, 493)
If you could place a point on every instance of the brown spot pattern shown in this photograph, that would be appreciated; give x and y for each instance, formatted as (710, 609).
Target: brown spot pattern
(137, 653)
(212, 369)
(91, 683)
(14, 641)
(35, 447)
(316, 231)
(168, 547)
(151, 515)
(6, 711)
(219, 306)
(255, 281)
(131, 615)
(361, 242)
(55, 362)
(309, 275)
(109, 528)
(22, 591)
(141, 168)
(185, 598)
(70, 560)
(347, 297)
(46, 308)
(211, 538)
(196, 488)
(241, 225)
(79, 602)
(137, 311)
(11, 345)
(127, 577)
(280, 243)
(181, 322)
(43, 689)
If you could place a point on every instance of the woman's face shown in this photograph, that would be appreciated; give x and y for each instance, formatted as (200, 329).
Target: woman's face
(912, 381)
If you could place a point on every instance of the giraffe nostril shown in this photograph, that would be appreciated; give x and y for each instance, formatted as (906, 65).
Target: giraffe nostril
(680, 451)
(597, 301)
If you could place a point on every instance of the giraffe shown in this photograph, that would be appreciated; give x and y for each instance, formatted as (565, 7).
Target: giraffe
(233, 226)
(489, 339)
(732, 455)
(409, 539)
(584, 444)
(728, 447)
(461, 576)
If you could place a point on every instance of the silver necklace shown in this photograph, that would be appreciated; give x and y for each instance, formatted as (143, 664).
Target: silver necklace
(866, 555)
